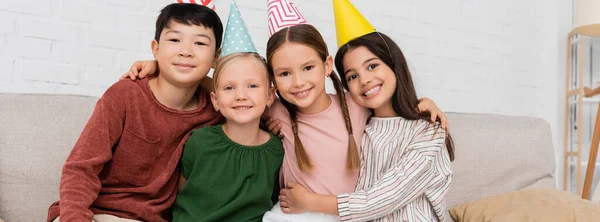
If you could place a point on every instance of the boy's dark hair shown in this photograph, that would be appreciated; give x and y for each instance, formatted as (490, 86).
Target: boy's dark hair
(190, 14)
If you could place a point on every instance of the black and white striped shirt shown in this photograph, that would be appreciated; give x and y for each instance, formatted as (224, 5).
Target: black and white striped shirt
(404, 175)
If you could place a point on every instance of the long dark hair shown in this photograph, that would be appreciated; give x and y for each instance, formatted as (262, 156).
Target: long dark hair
(404, 100)
(309, 36)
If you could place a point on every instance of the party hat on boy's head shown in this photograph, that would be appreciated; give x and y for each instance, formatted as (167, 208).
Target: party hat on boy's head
(237, 38)
(349, 23)
(208, 3)
(283, 14)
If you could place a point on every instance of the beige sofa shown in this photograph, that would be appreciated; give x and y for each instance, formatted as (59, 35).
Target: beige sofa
(494, 154)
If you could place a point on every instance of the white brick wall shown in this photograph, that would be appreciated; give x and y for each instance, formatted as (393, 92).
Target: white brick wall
(483, 56)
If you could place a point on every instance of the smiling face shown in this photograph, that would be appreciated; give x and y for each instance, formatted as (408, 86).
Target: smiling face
(242, 90)
(300, 76)
(371, 82)
(185, 53)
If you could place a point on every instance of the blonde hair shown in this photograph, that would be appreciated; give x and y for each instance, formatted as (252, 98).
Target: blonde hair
(228, 59)
(224, 61)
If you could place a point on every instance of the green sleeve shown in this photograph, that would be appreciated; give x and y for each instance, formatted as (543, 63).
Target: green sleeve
(276, 189)
(190, 152)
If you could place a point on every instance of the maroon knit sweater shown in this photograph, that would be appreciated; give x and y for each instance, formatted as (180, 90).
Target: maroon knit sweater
(125, 163)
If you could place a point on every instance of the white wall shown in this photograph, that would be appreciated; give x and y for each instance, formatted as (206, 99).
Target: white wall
(558, 68)
(482, 56)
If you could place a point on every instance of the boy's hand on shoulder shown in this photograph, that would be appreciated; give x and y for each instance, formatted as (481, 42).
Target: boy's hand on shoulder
(140, 69)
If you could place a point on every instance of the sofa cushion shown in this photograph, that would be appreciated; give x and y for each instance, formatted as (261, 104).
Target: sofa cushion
(528, 205)
(497, 154)
(37, 133)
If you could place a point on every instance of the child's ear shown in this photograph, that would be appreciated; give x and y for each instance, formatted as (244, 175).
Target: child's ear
(213, 98)
(154, 47)
(328, 65)
(217, 54)
(271, 96)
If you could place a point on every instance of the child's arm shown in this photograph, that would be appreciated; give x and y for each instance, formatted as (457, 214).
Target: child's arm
(142, 69)
(427, 105)
(296, 199)
(274, 126)
(79, 184)
(187, 162)
(276, 189)
(408, 180)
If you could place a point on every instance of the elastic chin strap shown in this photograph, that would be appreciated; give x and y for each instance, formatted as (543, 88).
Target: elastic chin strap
(386, 45)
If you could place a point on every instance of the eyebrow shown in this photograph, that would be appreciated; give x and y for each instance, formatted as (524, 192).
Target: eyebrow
(365, 62)
(303, 64)
(199, 34)
(279, 69)
(308, 62)
(235, 81)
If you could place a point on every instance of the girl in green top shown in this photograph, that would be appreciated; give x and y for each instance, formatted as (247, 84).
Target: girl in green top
(230, 171)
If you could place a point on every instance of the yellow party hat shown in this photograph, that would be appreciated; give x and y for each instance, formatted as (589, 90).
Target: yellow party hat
(349, 23)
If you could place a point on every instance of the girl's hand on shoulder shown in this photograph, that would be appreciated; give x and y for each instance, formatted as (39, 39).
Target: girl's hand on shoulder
(427, 105)
(294, 199)
(274, 126)
(140, 69)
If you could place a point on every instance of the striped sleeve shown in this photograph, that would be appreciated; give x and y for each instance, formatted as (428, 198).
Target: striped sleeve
(409, 179)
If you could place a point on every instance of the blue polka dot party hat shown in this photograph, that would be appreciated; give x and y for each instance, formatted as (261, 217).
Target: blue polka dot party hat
(237, 38)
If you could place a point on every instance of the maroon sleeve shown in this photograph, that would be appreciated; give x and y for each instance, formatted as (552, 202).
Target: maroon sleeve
(79, 184)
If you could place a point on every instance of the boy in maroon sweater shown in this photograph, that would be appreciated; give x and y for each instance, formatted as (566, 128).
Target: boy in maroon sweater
(125, 164)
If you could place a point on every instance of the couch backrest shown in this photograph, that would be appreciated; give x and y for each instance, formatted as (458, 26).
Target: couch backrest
(37, 133)
(496, 154)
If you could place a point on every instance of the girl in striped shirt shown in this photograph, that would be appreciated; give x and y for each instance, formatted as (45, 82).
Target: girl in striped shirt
(405, 167)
